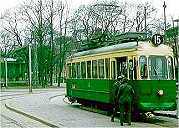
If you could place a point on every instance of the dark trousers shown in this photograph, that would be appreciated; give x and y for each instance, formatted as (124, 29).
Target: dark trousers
(125, 109)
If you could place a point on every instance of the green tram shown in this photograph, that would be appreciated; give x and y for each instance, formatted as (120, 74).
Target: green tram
(149, 69)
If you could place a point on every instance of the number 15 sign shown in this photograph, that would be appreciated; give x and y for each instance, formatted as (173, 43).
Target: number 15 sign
(157, 39)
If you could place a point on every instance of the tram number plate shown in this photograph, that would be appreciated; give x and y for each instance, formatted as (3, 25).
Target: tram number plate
(157, 39)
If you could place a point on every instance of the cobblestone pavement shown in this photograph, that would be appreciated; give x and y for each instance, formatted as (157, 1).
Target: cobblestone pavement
(9, 119)
(48, 106)
(13, 120)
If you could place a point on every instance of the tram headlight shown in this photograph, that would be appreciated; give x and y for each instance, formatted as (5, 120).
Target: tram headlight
(160, 92)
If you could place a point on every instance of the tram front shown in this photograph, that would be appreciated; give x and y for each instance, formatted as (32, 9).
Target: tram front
(156, 85)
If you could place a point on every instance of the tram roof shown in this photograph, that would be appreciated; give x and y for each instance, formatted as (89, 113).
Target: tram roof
(122, 46)
(145, 45)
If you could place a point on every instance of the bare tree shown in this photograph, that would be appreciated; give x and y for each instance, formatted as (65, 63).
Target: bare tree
(12, 24)
(94, 23)
(7, 43)
(41, 23)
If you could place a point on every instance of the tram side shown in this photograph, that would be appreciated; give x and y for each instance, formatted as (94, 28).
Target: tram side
(91, 74)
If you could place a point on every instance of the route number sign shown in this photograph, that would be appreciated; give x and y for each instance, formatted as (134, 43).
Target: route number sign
(157, 39)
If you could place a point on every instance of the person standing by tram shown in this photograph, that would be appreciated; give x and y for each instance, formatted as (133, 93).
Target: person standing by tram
(116, 85)
(123, 99)
(126, 94)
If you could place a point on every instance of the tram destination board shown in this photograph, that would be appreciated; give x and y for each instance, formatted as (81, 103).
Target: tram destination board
(157, 39)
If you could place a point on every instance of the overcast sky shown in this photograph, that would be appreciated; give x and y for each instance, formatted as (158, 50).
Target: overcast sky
(171, 10)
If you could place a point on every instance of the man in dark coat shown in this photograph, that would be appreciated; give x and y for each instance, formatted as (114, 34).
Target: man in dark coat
(126, 94)
(116, 85)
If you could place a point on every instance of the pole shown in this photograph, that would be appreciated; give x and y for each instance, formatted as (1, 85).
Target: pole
(164, 6)
(35, 70)
(145, 16)
(30, 72)
(6, 71)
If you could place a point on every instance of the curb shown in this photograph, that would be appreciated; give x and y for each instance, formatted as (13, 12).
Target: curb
(50, 98)
(31, 117)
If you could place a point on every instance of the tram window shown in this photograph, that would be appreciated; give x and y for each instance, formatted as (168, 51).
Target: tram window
(157, 67)
(83, 69)
(113, 70)
(69, 70)
(73, 70)
(143, 67)
(130, 69)
(170, 68)
(135, 69)
(101, 68)
(94, 68)
(78, 69)
(107, 62)
(88, 69)
(124, 68)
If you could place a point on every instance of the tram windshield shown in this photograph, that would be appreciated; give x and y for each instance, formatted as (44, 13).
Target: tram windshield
(157, 67)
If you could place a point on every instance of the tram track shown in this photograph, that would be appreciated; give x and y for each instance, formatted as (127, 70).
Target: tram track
(10, 98)
(17, 95)
(50, 98)
(14, 94)
(7, 97)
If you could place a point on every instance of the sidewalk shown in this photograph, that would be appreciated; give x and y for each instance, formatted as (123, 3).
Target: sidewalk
(34, 106)
(39, 106)
(53, 112)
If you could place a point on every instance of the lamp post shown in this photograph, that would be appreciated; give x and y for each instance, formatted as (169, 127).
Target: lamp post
(30, 72)
(145, 17)
(6, 71)
(164, 7)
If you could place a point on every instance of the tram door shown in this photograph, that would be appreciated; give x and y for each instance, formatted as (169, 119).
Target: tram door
(121, 66)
